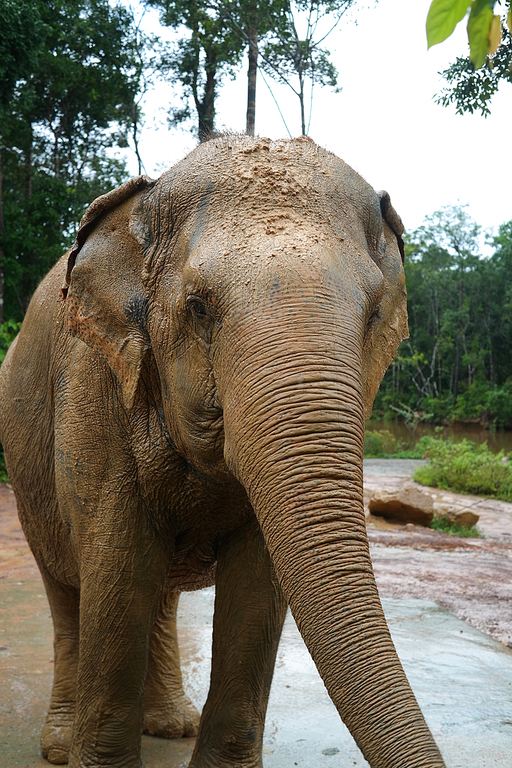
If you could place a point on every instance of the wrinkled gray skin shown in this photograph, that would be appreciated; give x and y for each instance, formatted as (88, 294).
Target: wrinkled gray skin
(192, 413)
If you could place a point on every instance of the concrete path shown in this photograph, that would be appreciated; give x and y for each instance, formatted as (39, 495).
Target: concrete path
(461, 677)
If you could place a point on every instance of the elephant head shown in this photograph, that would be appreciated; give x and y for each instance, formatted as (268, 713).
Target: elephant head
(265, 280)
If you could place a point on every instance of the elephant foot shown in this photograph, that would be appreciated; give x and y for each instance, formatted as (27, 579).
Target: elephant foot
(172, 720)
(56, 738)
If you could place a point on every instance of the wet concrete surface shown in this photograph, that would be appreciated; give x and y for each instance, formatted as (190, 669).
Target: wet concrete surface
(461, 677)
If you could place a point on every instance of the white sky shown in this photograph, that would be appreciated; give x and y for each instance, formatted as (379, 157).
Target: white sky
(384, 123)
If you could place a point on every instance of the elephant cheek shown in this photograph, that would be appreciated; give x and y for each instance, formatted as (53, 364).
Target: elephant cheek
(380, 348)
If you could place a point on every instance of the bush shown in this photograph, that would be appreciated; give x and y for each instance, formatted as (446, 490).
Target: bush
(383, 444)
(380, 443)
(472, 403)
(8, 332)
(448, 525)
(467, 468)
(499, 405)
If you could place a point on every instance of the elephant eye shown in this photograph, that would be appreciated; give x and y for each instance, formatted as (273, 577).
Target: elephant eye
(200, 314)
(197, 308)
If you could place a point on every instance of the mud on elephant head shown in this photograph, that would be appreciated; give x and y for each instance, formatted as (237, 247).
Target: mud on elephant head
(248, 303)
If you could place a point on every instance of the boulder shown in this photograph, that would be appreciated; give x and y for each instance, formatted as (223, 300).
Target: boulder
(408, 504)
(461, 516)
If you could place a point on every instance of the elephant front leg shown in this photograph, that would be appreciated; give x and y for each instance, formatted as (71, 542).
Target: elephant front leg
(168, 712)
(121, 584)
(58, 729)
(248, 619)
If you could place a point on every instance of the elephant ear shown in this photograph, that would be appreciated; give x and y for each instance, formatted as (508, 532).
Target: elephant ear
(103, 291)
(389, 327)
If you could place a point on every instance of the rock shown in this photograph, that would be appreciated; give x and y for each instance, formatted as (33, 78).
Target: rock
(461, 516)
(407, 504)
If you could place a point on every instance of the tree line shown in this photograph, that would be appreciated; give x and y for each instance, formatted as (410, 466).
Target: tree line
(73, 75)
(457, 362)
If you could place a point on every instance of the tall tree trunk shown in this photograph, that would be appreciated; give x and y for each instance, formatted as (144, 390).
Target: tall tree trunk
(456, 373)
(301, 99)
(1, 243)
(27, 282)
(206, 107)
(251, 79)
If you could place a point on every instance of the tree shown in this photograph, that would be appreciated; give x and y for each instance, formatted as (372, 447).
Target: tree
(293, 55)
(470, 89)
(208, 51)
(21, 27)
(473, 80)
(251, 22)
(456, 363)
(58, 129)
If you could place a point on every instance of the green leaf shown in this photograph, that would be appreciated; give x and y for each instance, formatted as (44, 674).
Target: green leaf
(443, 17)
(479, 5)
(478, 36)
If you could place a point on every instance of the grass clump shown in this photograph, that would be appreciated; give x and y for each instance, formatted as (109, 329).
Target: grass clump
(447, 524)
(466, 467)
(383, 444)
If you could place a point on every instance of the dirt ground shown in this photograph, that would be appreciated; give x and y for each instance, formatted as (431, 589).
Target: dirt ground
(472, 578)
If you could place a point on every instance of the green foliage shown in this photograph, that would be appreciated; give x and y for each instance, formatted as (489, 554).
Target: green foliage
(383, 444)
(470, 89)
(475, 79)
(8, 332)
(456, 364)
(3, 470)
(21, 26)
(445, 524)
(443, 17)
(484, 27)
(379, 443)
(64, 113)
(466, 468)
(210, 49)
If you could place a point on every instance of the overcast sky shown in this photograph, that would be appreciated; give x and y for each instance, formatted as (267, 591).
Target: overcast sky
(384, 123)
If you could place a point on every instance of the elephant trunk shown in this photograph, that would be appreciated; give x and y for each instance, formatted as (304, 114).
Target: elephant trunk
(294, 431)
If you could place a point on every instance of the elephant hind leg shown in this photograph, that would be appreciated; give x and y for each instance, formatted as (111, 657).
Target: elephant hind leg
(168, 712)
(58, 729)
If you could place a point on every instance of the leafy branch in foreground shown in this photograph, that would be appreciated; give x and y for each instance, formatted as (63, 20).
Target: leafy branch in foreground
(484, 26)
(475, 79)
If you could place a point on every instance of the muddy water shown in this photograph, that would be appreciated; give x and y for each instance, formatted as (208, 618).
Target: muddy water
(497, 440)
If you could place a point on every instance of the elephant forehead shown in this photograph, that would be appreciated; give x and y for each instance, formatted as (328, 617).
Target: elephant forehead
(248, 176)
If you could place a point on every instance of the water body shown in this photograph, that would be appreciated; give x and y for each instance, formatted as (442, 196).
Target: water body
(497, 440)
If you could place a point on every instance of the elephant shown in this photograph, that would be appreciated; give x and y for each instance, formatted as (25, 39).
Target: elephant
(184, 406)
